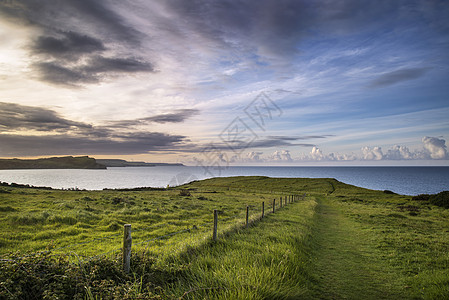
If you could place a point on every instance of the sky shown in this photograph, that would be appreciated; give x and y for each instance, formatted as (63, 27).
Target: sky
(229, 82)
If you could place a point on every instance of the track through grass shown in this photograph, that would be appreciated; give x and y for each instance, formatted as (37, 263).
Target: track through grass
(345, 265)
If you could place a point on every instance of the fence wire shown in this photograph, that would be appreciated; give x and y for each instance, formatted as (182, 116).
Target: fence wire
(267, 210)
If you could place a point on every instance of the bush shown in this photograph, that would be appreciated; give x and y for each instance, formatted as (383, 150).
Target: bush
(440, 199)
(48, 276)
(184, 193)
(421, 197)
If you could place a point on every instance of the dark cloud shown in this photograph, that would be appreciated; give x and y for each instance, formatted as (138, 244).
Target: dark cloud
(15, 117)
(94, 70)
(69, 45)
(54, 16)
(280, 141)
(268, 142)
(270, 26)
(305, 137)
(57, 74)
(398, 76)
(178, 116)
(64, 137)
(22, 145)
(78, 40)
(99, 12)
(276, 28)
(101, 64)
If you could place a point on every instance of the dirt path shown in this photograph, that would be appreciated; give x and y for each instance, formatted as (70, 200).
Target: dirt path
(345, 262)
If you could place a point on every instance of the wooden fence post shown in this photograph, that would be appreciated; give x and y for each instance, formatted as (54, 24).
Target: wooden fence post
(274, 205)
(263, 209)
(280, 202)
(214, 235)
(127, 243)
(247, 215)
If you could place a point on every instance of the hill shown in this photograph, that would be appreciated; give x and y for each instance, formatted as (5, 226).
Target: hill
(67, 162)
(125, 163)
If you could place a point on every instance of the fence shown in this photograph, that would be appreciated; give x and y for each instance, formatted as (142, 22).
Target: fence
(127, 239)
(127, 242)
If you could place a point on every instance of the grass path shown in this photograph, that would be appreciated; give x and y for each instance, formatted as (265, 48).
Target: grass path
(345, 263)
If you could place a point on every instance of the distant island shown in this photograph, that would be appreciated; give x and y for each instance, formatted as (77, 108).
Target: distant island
(124, 163)
(70, 162)
(66, 162)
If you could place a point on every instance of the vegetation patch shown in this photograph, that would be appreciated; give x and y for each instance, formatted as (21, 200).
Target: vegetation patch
(440, 199)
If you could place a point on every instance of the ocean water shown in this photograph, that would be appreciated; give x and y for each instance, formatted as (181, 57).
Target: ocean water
(402, 180)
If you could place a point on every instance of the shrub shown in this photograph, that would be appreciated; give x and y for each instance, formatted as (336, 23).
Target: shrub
(184, 193)
(421, 197)
(440, 199)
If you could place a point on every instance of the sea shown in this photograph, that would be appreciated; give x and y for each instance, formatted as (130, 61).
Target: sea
(401, 180)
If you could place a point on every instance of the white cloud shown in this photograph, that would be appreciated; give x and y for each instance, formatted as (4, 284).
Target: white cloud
(281, 155)
(254, 156)
(374, 153)
(399, 152)
(317, 154)
(436, 147)
(433, 148)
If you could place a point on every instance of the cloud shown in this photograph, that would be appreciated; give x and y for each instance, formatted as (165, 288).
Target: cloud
(92, 15)
(433, 148)
(398, 76)
(178, 116)
(399, 153)
(101, 64)
(96, 69)
(15, 117)
(79, 42)
(374, 153)
(60, 136)
(279, 141)
(69, 45)
(436, 147)
(316, 154)
(56, 74)
(254, 156)
(123, 144)
(273, 29)
(281, 155)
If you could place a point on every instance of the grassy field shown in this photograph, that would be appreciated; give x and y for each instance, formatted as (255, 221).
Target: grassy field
(340, 242)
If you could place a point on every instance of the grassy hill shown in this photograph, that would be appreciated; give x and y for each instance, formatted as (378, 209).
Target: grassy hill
(339, 242)
(67, 162)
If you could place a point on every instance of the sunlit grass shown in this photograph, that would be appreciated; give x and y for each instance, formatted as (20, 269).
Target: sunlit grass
(340, 241)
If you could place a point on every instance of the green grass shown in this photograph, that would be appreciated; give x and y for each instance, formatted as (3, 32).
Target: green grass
(55, 219)
(341, 242)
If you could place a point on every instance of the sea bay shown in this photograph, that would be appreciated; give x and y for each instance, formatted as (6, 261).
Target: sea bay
(402, 180)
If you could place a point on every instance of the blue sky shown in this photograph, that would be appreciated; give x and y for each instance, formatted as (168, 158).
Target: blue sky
(335, 82)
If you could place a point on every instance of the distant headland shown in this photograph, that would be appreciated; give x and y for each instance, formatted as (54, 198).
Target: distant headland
(70, 162)
(66, 162)
(124, 163)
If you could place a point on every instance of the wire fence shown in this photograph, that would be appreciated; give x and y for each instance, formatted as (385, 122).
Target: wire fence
(244, 218)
